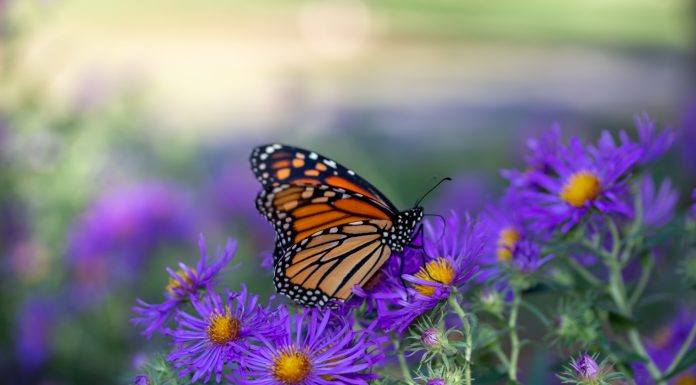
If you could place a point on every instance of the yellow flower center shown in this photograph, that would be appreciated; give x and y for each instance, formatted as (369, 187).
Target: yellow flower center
(173, 284)
(581, 187)
(686, 379)
(223, 328)
(507, 239)
(438, 270)
(291, 366)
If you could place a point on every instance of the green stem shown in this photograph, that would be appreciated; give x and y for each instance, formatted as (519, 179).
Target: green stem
(682, 351)
(405, 371)
(514, 339)
(642, 282)
(583, 272)
(617, 290)
(501, 356)
(467, 331)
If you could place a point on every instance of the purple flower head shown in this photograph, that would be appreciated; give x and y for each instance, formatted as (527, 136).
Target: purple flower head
(526, 257)
(183, 283)
(542, 152)
(654, 144)
(450, 253)
(36, 322)
(586, 367)
(658, 206)
(436, 381)
(205, 343)
(114, 236)
(316, 347)
(581, 179)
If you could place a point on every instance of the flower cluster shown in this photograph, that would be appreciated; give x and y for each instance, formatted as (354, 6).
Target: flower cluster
(580, 229)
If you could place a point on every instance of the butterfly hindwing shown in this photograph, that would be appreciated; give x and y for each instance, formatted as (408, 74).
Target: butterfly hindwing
(275, 165)
(327, 265)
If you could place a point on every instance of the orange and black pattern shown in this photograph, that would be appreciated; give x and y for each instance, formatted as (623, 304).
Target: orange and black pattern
(333, 229)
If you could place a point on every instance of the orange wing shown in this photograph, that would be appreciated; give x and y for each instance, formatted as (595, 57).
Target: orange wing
(275, 165)
(298, 211)
(328, 264)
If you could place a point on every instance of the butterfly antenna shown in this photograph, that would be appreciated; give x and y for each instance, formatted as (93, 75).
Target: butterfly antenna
(445, 179)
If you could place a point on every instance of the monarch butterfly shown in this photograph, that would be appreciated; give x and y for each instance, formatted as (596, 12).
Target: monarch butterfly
(334, 230)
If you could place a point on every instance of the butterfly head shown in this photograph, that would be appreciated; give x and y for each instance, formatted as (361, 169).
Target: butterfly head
(404, 226)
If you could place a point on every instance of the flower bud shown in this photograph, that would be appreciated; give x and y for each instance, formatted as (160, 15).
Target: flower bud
(586, 367)
(141, 379)
(432, 338)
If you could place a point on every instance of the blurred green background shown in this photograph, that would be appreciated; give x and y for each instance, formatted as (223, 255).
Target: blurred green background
(126, 126)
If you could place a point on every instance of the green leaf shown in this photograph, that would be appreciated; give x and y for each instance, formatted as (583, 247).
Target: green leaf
(687, 361)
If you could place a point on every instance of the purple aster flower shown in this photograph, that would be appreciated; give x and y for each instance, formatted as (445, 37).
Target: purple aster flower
(514, 246)
(451, 250)
(654, 144)
(317, 347)
(526, 257)
(182, 283)
(658, 206)
(505, 229)
(582, 179)
(112, 239)
(206, 343)
(542, 152)
(664, 346)
(36, 322)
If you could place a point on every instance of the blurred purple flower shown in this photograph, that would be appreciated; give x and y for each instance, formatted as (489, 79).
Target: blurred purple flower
(141, 379)
(451, 252)
(658, 206)
(436, 381)
(504, 228)
(183, 283)
(664, 346)
(118, 232)
(317, 347)
(233, 192)
(204, 344)
(654, 144)
(36, 322)
(582, 178)
(526, 257)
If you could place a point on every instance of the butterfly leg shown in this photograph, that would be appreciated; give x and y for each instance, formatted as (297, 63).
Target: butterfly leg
(421, 234)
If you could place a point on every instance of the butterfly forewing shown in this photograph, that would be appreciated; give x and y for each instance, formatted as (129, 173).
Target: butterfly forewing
(276, 165)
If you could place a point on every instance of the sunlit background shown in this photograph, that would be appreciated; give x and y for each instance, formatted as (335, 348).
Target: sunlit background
(125, 128)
